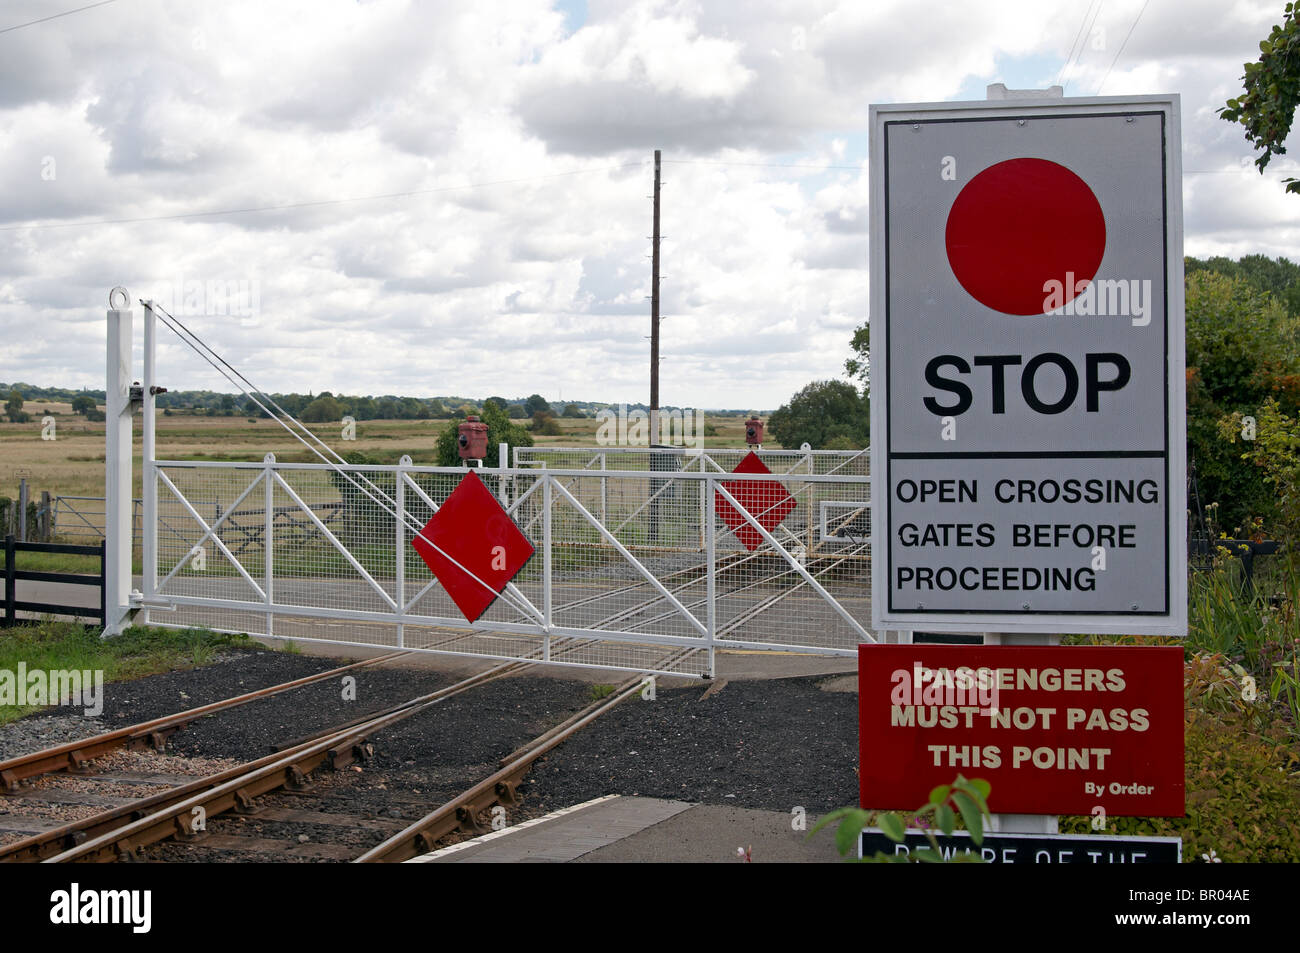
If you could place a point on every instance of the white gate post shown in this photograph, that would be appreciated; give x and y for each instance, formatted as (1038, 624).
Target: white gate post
(711, 571)
(149, 527)
(118, 529)
(399, 545)
(547, 566)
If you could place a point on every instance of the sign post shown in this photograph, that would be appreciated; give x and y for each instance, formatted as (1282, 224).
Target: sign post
(1028, 421)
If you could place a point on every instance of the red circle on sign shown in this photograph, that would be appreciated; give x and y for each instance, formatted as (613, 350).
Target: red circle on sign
(1020, 225)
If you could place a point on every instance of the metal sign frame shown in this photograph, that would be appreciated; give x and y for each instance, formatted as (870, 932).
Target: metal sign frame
(1171, 620)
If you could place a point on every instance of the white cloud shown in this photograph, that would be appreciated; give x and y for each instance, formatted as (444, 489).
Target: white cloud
(520, 265)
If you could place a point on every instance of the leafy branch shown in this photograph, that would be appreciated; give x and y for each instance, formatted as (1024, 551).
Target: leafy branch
(967, 798)
(1272, 93)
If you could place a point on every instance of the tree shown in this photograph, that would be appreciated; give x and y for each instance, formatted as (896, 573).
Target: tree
(545, 424)
(322, 410)
(1242, 349)
(535, 403)
(1272, 92)
(83, 403)
(500, 430)
(1279, 277)
(14, 408)
(572, 411)
(859, 365)
(826, 415)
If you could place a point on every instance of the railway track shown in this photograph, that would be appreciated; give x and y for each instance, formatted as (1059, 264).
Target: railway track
(74, 755)
(279, 788)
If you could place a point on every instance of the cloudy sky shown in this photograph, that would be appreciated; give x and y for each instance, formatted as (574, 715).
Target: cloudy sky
(448, 197)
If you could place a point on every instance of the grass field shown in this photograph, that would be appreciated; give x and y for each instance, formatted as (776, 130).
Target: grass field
(72, 464)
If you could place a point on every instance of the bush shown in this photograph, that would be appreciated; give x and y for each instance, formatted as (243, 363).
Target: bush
(545, 424)
(1240, 799)
(1242, 349)
(823, 412)
(500, 429)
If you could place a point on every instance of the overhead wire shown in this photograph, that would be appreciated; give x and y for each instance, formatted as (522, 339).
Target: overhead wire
(65, 13)
(1122, 45)
(1079, 56)
(1070, 55)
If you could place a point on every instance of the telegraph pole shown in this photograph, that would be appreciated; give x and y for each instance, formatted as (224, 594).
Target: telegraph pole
(654, 315)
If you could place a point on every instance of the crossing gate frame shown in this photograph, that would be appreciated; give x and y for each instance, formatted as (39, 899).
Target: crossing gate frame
(636, 568)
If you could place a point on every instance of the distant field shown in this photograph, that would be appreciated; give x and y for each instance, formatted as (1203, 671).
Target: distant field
(73, 463)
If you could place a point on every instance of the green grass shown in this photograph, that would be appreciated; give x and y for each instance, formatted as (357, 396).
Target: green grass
(601, 691)
(1225, 618)
(1242, 788)
(56, 562)
(137, 652)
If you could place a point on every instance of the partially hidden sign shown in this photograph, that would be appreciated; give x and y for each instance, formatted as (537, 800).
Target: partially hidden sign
(472, 546)
(1095, 730)
(1027, 367)
(767, 501)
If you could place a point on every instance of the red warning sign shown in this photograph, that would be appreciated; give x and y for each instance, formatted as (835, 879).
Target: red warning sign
(1020, 224)
(1088, 730)
(768, 501)
(473, 529)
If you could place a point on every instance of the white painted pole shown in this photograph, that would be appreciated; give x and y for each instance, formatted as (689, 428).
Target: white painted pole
(149, 531)
(117, 462)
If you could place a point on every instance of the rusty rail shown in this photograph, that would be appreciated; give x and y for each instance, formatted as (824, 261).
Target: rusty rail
(74, 754)
(120, 832)
(500, 788)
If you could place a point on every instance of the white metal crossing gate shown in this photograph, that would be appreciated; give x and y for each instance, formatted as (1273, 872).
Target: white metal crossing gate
(652, 564)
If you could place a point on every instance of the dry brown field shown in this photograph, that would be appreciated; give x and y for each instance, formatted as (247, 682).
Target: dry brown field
(72, 464)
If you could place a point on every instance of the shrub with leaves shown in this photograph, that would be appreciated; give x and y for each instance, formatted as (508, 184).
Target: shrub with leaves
(969, 798)
(1272, 92)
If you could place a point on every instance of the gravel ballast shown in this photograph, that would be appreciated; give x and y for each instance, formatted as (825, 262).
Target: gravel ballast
(772, 744)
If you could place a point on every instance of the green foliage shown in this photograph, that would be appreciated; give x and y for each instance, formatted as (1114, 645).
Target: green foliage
(500, 429)
(859, 365)
(1224, 620)
(1242, 348)
(14, 408)
(1285, 687)
(545, 424)
(83, 403)
(571, 411)
(324, 409)
(1280, 277)
(138, 651)
(967, 798)
(1272, 92)
(1274, 455)
(1240, 797)
(823, 412)
(534, 403)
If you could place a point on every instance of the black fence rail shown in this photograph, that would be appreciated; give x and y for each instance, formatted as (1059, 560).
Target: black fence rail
(13, 575)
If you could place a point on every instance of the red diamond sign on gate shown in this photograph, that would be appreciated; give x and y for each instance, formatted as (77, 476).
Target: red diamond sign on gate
(768, 501)
(473, 529)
